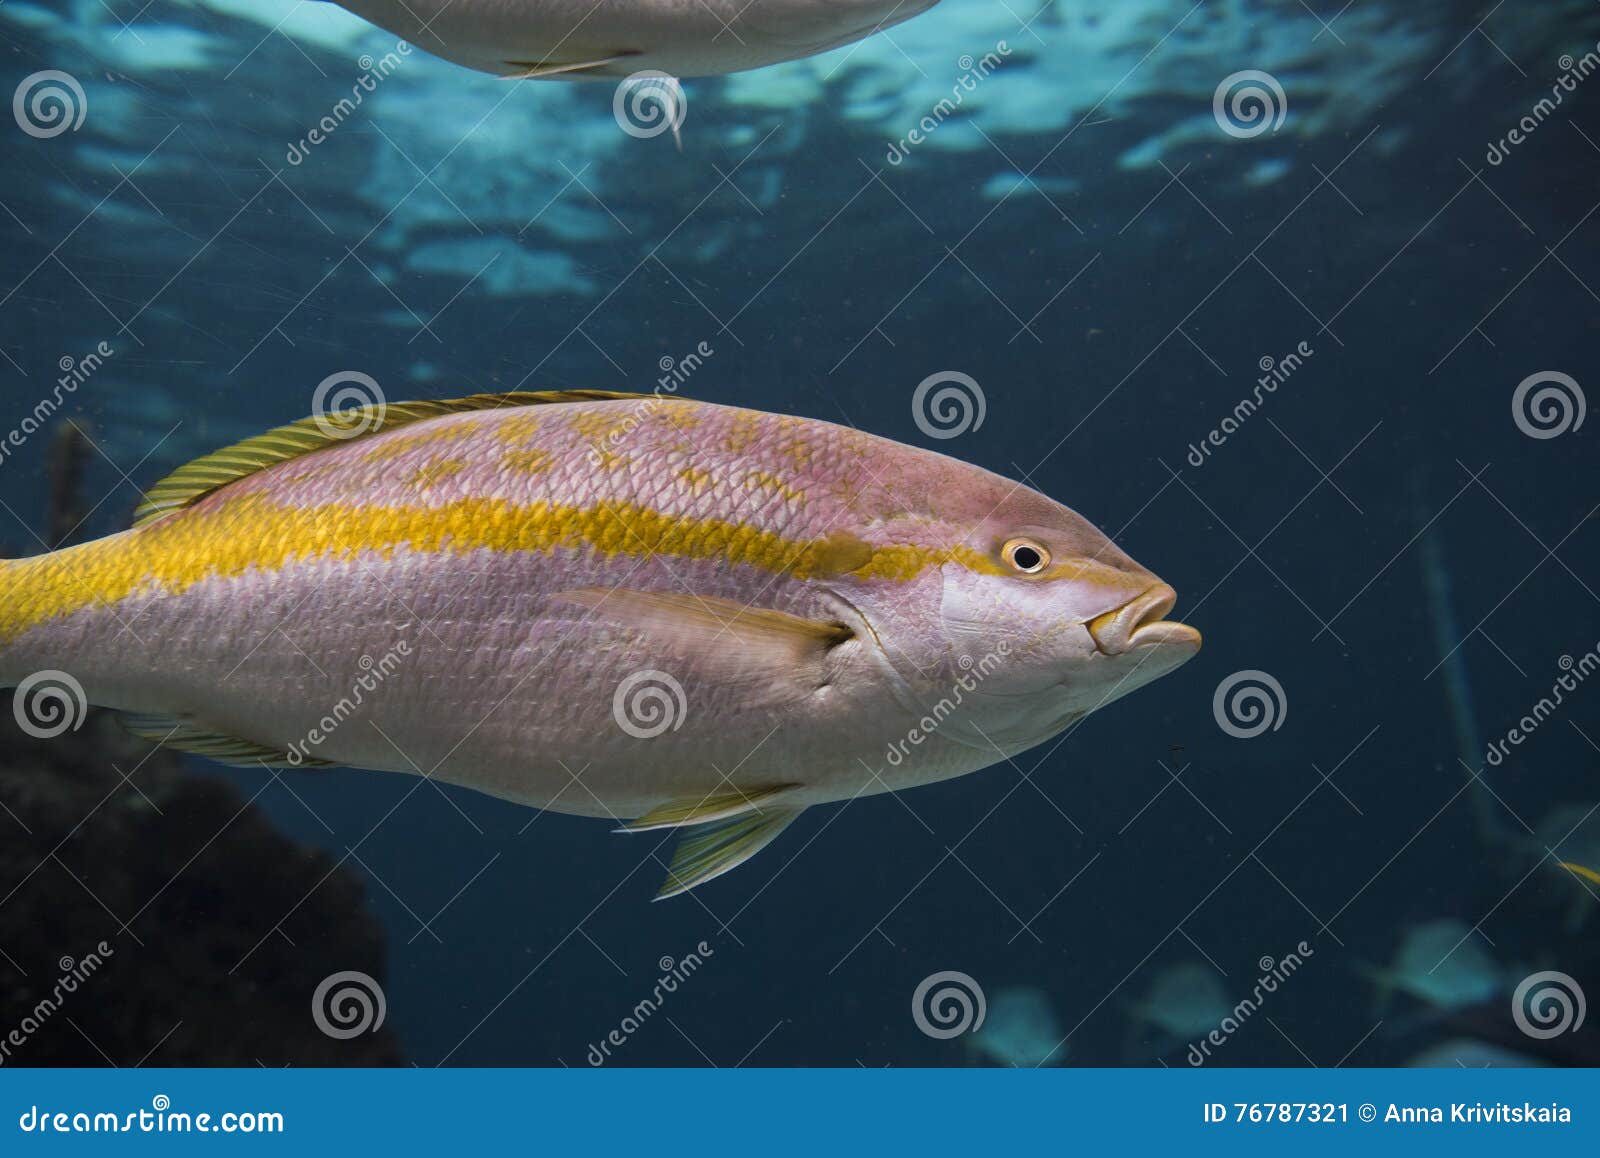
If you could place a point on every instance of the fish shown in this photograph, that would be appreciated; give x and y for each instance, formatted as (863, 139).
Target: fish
(542, 39)
(1440, 963)
(1470, 1053)
(1186, 1001)
(1021, 1029)
(667, 613)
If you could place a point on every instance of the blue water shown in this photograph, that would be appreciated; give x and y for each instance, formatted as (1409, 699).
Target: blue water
(1111, 266)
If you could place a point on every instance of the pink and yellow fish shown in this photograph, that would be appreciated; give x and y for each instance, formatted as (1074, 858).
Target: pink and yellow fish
(643, 608)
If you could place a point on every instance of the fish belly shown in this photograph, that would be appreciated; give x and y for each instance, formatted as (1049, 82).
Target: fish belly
(680, 37)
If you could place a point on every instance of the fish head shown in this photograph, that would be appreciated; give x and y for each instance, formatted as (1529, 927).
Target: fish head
(1030, 619)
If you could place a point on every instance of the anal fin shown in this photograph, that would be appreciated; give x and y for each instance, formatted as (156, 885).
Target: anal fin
(171, 732)
(719, 848)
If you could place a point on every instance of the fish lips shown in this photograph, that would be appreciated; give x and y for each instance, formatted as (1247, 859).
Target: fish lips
(1140, 624)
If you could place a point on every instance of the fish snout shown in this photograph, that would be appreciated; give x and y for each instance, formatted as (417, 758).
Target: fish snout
(1139, 623)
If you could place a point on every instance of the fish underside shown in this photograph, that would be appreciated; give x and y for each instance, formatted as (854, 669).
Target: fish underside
(574, 39)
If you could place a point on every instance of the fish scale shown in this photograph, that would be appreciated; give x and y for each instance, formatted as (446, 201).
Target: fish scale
(539, 580)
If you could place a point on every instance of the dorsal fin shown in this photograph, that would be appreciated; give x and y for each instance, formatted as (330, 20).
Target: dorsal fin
(193, 481)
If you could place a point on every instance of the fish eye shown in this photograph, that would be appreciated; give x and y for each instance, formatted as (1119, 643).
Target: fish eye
(1026, 555)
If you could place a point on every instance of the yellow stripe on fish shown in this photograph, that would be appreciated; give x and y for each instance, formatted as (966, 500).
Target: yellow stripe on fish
(251, 533)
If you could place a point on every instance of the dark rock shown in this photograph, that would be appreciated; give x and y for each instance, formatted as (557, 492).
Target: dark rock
(185, 882)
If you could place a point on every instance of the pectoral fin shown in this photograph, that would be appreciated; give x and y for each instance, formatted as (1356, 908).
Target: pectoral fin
(720, 635)
(709, 852)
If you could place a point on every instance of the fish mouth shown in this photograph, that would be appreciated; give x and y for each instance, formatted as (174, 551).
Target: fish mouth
(1139, 623)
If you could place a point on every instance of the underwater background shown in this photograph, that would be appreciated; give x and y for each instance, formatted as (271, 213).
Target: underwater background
(1392, 550)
